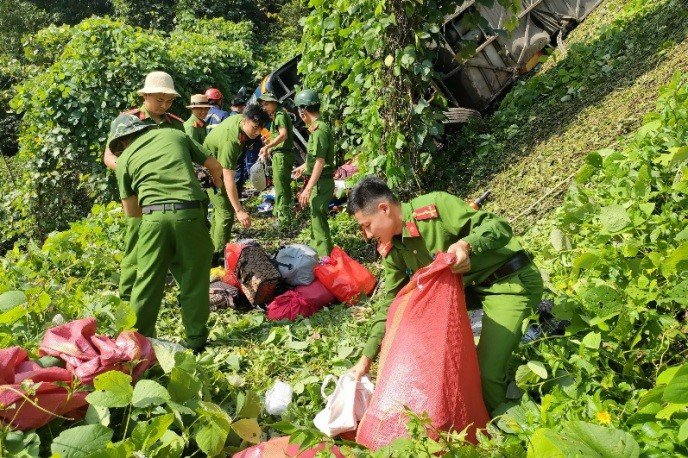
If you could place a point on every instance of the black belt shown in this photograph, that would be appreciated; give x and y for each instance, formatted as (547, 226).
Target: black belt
(148, 209)
(519, 260)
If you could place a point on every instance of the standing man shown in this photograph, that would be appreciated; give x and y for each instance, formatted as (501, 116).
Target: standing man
(158, 93)
(249, 153)
(281, 149)
(216, 114)
(318, 168)
(226, 142)
(157, 183)
(497, 273)
(195, 125)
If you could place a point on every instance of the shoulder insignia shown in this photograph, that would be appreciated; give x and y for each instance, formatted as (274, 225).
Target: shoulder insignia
(198, 123)
(427, 212)
(412, 229)
(136, 112)
(174, 116)
(384, 248)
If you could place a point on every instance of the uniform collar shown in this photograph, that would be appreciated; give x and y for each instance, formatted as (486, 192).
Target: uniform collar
(146, 115)
(314, 126)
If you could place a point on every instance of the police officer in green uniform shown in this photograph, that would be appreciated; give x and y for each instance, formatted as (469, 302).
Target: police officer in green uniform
(226, 142)
(195, 125)
(497, 273)
(158, 94)
(157, 182)
(281, 148)
(318, 168)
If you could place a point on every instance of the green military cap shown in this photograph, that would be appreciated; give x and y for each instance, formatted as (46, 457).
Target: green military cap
(123, 125)
(268, 97)
(306, 98)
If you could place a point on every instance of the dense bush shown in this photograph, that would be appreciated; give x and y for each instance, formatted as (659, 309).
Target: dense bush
(68, 107)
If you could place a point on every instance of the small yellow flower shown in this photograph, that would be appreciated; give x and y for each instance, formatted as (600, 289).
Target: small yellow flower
(604, 417)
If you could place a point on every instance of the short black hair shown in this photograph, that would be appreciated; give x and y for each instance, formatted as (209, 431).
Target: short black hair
(367, 193)
(315, 108)
(238, 101)
(257, 114)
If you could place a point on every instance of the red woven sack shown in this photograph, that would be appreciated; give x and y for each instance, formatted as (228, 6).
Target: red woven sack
(316, 293)
(289, 306)
(232, 253)
(428, 361)
(344, 277)
(231, 279)
(279, 447)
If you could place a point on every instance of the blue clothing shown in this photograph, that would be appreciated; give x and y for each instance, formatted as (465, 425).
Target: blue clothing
(248, 157)
(215, 116)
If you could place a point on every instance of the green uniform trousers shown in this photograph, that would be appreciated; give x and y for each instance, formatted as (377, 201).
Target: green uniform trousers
(222, 220)
(320, 229)
(127, 275)
(505, 304)
(282, 164)
(177, 241)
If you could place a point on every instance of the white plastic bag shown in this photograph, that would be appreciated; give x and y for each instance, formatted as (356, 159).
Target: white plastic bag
(257, 175)
(346, 406)
(278, 398)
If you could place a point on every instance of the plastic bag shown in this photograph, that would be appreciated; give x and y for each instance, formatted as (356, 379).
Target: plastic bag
(289, 306)
(316, 293)
(428, 361)
(344, 277)
(257, 175)
(278, 398)
(295, 263)
(279, 447)
(232, 253)
(345, 407)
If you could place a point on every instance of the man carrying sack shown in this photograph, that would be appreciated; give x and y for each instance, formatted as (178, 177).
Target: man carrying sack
(497, 273)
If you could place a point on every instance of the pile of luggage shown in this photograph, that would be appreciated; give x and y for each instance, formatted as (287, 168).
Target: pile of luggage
(290, 283)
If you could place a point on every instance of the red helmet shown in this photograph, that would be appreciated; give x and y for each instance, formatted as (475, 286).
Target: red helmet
(213, 94)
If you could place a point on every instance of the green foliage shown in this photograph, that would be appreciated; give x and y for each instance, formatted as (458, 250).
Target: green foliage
(372, 61)
(68, 107)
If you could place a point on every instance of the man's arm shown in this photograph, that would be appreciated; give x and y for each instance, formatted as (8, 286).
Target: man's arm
(131, 206)
(233, 194)
(109, 159)
(312, 182)
(215, 169)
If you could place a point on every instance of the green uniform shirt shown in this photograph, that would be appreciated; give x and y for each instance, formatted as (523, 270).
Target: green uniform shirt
(157, 167)
(195, 128)
(490, 238)
(282, 119)
(321, 144)
(226, 141)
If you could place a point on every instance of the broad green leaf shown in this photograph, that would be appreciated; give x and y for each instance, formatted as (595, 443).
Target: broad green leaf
(592, 340)
(11, 299)
(547, 443)
(665, 376)
(248, 405)
(676, 390)
(670, 264)
(81, 441)
(147, 433)
(112, 389)
(614, 218)
(212, 428)
(538, 368)
(683, 431)
(98, 415)
(183, 385)
(248, 429)
(172, 446)
(606, 442)
(149, 393)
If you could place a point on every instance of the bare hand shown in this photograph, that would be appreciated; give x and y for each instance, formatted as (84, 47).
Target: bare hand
(244, 219)
(264, 152)
(305, 196)
(361, 368)
(462, 251)
(298, 171)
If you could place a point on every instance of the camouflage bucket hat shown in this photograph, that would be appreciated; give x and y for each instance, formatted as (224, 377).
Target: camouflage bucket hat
(268, 97)
(123, 125)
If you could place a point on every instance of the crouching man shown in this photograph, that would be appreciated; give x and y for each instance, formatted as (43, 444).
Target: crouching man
(156, 181)
(497, 274)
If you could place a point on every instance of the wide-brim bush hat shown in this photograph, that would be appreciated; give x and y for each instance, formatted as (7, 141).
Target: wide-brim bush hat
(199, 101)
(158, 83)
(268, 97)
(124, 125)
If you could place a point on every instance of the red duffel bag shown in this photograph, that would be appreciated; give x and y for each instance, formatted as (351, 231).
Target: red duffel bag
(345, 277)
(289, 306)
(316, 293)
(428, 361)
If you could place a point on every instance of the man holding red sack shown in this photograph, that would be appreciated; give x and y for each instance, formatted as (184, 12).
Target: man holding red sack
(497, 273)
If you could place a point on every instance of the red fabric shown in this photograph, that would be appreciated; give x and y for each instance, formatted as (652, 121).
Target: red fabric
(316, 293)
(280, 447)
(232, 253)
(289, 306)
(46, 399)
(344, 277)
(428, 360)
(231, 279)
(88, 354)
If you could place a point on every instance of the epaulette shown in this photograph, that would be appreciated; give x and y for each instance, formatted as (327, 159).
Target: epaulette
(174, 116)
(427, 212)
(412, 229)
(384, 248)
(136, 112)
(198, 123)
